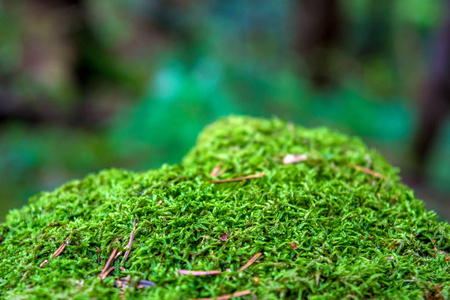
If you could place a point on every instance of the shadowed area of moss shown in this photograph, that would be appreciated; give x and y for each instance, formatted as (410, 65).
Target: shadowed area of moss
(327, 230)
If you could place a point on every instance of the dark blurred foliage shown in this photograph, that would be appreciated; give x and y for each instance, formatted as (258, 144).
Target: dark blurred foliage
(87, 85)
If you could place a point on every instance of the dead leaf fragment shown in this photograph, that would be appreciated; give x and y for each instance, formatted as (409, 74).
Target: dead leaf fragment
(224, 237)
(447, 257)
(294, 158)
(293, 245)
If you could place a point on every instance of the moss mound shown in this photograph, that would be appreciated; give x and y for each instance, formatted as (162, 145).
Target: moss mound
(327, 227)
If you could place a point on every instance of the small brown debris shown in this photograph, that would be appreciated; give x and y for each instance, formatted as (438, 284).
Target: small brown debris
(44, 263)
(224, 237)
(122, 269)
(60, 249)
(160, 202)
(217, 171)
(122, 296)
(447, 257)
(226, 297)
(239, 179)
(130, 242)
(199, 273)
(121, 283)
(294, 158)
(293, 245)
(367, 171)
(256, 279)
(250, 262)
(106, 269)
(98, 250)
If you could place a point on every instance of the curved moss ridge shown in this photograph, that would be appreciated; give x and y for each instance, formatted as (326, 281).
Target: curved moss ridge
(358, 236)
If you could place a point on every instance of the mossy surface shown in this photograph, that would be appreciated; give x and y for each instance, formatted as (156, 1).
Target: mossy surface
(356, 235)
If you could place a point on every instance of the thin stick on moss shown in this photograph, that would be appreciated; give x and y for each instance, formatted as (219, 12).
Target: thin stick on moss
(367, 171)
(217, 171)
(239, 179)
(106, 268)
(226, 297)
(44, 263)
(98, 250)
(130, 242)
(60, 249)
(250, 262)
(123, 282)
(144, 284)
(199, 273)
(105, 274)
(117, 255)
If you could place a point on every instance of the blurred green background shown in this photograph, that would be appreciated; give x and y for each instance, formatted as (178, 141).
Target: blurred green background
(87, 85)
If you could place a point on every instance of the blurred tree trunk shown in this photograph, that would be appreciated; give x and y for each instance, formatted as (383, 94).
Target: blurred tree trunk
(318, 26)
(88, 60)
(435, 100)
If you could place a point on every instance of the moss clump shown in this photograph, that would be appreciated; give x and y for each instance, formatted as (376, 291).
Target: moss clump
(326, 229)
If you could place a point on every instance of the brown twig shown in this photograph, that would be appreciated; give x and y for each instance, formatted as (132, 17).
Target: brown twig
(217, 171)
(239, 179)
(250, 262)
(98, 250)
(60, 249)
(199, 273)
(124, 282)
(44, 263)
(367, 171)
(226, 297)
(144, 284)
(106, 268)
(130, 242)
(104, 274)
(117, 255)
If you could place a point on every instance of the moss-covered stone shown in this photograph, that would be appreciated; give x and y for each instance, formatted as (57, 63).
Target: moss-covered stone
(327, 230)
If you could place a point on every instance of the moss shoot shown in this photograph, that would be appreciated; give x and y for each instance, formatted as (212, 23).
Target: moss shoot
(336, 224)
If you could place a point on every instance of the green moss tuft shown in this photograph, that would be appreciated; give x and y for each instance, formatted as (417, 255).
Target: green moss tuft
(356, 235)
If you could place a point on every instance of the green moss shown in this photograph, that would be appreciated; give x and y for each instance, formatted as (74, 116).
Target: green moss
(358, 235)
